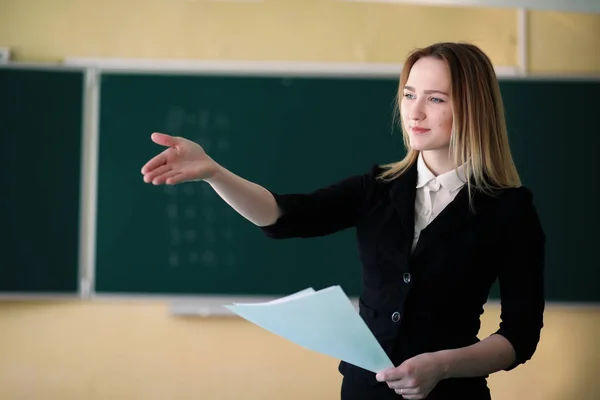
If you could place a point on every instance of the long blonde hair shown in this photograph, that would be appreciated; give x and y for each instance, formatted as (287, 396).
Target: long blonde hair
(479, 137)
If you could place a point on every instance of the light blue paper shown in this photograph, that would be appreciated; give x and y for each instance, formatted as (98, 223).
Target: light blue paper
(324, 321)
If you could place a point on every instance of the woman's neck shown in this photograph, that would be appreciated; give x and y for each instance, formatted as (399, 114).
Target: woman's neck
(438, 161)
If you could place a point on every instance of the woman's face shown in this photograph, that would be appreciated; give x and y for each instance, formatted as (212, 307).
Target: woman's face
(426, 108)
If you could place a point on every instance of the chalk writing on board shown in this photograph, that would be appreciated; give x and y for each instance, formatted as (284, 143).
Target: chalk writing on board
(194, 258)
(190, 236)
(207, 127)
(209, 258)
(228, 235)
(195, 224)
(172, 211)
(188, 190)
(173, 259)
(175, 237)
(209, 235)
(230, 260)
(175, 121)
(190, 212)
(171, 190)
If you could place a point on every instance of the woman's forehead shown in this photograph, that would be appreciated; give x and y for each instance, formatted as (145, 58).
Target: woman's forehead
(429, 73)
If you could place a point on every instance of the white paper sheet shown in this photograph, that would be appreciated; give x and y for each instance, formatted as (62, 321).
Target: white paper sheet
(324, 321)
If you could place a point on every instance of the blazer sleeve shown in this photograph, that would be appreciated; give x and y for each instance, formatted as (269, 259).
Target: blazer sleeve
(323, 211)
(521, 276)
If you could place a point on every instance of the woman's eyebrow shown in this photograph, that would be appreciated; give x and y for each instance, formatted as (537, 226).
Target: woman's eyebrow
(412, 89)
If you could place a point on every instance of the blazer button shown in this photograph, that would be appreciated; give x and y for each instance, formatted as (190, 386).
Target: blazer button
(396, 317)
(406, 276)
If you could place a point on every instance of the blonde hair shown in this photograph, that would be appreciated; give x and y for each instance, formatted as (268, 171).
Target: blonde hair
(479, 136)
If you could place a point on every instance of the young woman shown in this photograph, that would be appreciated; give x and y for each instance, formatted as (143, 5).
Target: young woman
(435, 230)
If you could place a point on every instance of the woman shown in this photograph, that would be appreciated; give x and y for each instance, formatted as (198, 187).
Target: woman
(435, 230)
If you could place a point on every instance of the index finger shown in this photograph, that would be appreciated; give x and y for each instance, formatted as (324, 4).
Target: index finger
(156, 162)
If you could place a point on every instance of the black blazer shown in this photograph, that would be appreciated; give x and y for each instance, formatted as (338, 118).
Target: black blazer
(431, 299)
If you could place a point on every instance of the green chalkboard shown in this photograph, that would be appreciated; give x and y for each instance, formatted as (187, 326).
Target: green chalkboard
(284, 133)
(297, 134)
(40, 129)
(554, 137)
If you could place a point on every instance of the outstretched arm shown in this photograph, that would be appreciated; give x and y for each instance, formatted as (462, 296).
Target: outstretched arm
(184, 161)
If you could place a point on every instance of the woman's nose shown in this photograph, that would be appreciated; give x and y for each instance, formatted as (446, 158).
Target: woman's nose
(416, 112)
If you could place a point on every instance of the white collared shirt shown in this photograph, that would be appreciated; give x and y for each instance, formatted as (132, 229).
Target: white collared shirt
(434, 193)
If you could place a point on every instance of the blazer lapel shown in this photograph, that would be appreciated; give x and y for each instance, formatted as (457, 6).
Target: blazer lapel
(402, 194)
(455, 215)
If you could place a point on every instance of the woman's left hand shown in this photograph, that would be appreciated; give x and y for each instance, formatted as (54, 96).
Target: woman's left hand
(416, 377)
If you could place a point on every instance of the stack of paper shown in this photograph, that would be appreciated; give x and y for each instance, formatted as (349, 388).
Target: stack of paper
(324, 321)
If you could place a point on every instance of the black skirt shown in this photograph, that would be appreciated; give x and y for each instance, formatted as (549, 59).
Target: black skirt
(357, 390)
(450, 389)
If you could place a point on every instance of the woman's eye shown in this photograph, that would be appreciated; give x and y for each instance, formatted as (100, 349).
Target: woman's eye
(437, 100)
(409, 95)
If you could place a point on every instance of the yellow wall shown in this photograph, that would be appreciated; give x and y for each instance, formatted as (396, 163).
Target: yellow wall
(137, 350)
(272, 30)
(307, 30)
(564, 43)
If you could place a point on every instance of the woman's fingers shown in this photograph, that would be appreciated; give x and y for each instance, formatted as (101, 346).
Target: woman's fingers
(184, 160)
(178, 177)
(182, 175)
(163, 178)
(409, 393)
(156, 172)
(155, 162)
(164, 139)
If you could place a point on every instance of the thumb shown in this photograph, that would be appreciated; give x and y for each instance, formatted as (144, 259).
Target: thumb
(385, 374)
(164, 139)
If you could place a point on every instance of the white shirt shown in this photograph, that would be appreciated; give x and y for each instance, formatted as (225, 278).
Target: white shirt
(434, 193)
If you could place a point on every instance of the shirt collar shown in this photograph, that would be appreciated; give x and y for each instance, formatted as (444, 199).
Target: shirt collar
(450, 180)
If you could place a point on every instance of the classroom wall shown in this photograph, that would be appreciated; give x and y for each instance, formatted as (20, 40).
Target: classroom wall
(302, 30)
(134, 349)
